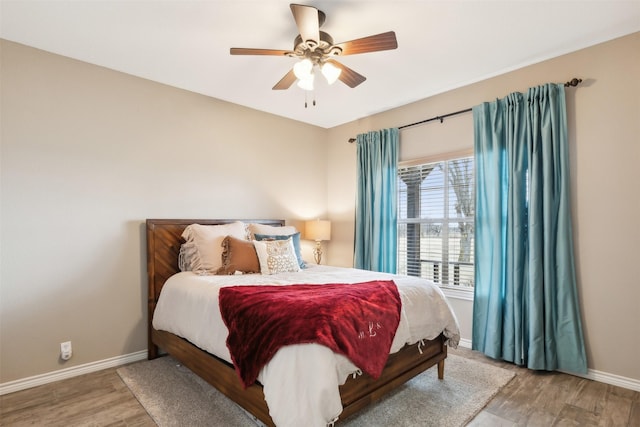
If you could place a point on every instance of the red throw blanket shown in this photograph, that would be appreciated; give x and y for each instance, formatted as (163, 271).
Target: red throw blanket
(356, 320)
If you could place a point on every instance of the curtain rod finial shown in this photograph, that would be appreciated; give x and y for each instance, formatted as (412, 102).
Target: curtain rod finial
(573, 82)
(352, 140)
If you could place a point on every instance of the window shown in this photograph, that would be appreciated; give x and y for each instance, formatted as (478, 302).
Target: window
(436, 205)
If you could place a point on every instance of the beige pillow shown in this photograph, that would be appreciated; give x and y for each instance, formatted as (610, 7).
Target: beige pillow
(276, 256)
(286, 230)
(238, 255)
(207, 239)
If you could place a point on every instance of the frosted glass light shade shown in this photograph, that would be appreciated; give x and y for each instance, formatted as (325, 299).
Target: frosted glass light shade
(318, 230)
(302, 69)
(331, 72)
(307, 83)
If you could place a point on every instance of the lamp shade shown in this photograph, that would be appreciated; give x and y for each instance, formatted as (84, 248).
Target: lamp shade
(302, 69)
(306, 83)
(330, 72)
(318, 230)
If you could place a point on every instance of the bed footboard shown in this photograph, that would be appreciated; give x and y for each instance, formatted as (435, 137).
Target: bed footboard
(356, 393)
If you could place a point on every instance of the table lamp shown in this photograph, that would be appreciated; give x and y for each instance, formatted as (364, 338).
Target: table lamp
(318, 230)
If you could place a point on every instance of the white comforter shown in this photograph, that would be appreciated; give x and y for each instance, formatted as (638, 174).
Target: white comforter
(188, 307)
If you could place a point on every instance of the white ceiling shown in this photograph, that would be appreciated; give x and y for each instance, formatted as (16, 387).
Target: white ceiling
(442, 45)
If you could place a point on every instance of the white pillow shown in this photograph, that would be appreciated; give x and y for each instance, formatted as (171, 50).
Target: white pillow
(286, 230)
(207, 239)
(276, 256)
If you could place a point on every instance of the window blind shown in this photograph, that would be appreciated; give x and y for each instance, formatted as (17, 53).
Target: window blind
(435, 221)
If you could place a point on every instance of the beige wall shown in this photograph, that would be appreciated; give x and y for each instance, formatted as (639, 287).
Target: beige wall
(604, 129)
(86, 155)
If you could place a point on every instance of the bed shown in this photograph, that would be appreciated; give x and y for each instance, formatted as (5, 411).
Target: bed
(164, 240)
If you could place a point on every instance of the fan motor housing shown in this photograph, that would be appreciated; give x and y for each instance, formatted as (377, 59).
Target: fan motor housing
(311, 50)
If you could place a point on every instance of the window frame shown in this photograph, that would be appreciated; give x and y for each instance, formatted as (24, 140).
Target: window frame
(453, 291)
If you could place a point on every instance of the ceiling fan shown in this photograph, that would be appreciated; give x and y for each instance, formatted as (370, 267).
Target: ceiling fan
(315, 49)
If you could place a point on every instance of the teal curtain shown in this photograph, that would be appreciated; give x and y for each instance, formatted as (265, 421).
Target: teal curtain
(376, 220)
(526, 306)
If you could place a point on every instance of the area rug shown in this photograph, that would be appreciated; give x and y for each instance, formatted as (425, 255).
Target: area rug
(174, 396)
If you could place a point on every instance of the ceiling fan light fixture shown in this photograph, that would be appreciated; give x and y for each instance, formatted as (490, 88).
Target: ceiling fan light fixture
(306, 83)
(330, 72)
(303, 69)
(316, 48)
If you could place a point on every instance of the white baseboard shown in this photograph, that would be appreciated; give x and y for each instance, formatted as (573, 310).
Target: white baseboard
(25, 383)
(592, 374)
(74, 371)
(612, 379)
(465, 343)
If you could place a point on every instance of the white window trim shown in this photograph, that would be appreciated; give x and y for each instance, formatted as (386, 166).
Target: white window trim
(436, 158)
(458, 293)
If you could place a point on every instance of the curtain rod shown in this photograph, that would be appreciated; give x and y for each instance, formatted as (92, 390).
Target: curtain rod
(573, 82)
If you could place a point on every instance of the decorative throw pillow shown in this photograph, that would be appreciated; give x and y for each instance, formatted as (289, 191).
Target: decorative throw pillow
(276, 256)
(296, 243)
(207, 240)
(271, 230)
(238, 255)
(186, 255)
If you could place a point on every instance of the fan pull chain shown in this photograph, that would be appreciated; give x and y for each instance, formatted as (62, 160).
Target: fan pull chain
(313, 102)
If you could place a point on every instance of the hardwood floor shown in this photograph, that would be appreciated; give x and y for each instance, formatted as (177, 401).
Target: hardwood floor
(95, 399)
(530, 399)
(535, 398)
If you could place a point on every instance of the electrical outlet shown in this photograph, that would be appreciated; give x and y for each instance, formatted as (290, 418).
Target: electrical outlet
(65, 350)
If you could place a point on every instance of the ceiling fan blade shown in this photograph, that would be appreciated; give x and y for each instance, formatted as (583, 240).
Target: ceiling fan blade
(348, 76)
(306, 18)
(383, 41)
(286, 81)
(249, 51)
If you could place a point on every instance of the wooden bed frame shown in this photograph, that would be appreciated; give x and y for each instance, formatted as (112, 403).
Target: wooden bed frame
(163, 245)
